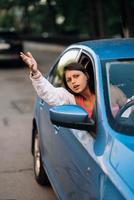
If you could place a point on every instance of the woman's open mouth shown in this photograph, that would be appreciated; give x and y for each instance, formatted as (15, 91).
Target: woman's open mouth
(76, 87)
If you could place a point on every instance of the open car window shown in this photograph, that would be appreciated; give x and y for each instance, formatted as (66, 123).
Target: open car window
(73, 55)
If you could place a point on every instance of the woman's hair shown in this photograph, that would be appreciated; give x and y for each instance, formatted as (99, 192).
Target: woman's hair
(79, 67)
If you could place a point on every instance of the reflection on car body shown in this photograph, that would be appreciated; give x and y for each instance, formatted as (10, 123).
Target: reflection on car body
(10, 47)
(89, 158)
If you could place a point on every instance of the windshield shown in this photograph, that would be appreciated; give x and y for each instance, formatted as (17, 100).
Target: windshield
(119, 81)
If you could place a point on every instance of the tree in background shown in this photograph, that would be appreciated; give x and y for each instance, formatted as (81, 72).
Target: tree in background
(127, 12)
(87, 18)
(26, 6)
(97, 18)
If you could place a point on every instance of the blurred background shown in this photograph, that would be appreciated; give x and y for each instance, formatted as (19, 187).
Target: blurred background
(68, 21)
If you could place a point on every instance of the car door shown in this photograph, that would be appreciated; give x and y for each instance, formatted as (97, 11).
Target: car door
(76, 171)
(46, 129)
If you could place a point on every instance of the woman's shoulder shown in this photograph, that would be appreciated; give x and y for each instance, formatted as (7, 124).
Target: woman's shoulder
(65, 94)
(65, 91)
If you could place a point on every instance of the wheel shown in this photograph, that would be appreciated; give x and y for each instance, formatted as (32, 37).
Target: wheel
(39, 172)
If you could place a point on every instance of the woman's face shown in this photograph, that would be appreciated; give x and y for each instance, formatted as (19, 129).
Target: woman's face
(76, 80)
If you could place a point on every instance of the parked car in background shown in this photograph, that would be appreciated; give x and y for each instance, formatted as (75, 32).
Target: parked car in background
(10, 47)
(89, 158)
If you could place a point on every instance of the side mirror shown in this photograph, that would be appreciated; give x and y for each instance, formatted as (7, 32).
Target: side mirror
(71, 116)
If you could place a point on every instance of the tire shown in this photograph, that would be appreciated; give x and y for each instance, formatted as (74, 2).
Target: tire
(39, 172)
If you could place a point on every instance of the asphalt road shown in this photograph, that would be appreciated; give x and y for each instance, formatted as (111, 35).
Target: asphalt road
(16, 109)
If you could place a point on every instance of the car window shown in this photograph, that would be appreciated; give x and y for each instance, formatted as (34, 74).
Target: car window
(121, 75)
(56, 75)
(120, 82)
(73, 55)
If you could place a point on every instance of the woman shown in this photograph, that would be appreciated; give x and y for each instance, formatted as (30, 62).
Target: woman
(76, 80)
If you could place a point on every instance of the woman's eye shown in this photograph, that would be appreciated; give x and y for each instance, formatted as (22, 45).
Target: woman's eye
(76, 76)
(68, 80)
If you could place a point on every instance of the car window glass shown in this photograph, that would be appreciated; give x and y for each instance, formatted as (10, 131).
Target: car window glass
(121, 75)
(120, 81)
(57, 73)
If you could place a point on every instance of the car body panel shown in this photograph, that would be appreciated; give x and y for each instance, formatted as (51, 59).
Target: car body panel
(121, 158)
(79, 165)
(111, 48)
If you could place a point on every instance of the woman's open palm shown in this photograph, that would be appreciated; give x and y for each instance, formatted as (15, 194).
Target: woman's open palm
(29, 60)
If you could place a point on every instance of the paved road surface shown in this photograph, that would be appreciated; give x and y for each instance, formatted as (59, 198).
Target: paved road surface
(16, 108)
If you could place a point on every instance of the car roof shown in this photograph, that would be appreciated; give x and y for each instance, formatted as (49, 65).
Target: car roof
(117, 48)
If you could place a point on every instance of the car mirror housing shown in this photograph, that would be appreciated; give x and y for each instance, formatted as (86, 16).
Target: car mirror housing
(71, 116)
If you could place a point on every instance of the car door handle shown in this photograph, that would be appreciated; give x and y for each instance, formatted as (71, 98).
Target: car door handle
(56, 128)
(42, 102)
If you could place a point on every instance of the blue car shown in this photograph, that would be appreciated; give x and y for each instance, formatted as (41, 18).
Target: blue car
(83, 158)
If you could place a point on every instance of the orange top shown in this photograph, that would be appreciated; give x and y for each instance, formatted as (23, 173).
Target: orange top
(80, 101)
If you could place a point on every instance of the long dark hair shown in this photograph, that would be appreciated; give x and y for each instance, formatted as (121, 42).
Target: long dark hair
(79, 67)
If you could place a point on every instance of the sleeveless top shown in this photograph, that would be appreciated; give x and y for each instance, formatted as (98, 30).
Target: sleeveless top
(80, 102)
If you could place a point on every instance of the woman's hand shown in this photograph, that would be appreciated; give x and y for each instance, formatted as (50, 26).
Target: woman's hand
(30, 61)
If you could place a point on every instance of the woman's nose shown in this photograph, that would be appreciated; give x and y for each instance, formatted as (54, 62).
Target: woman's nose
(73, 80)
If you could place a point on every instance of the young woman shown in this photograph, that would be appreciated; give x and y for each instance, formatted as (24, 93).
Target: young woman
(79, 89)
